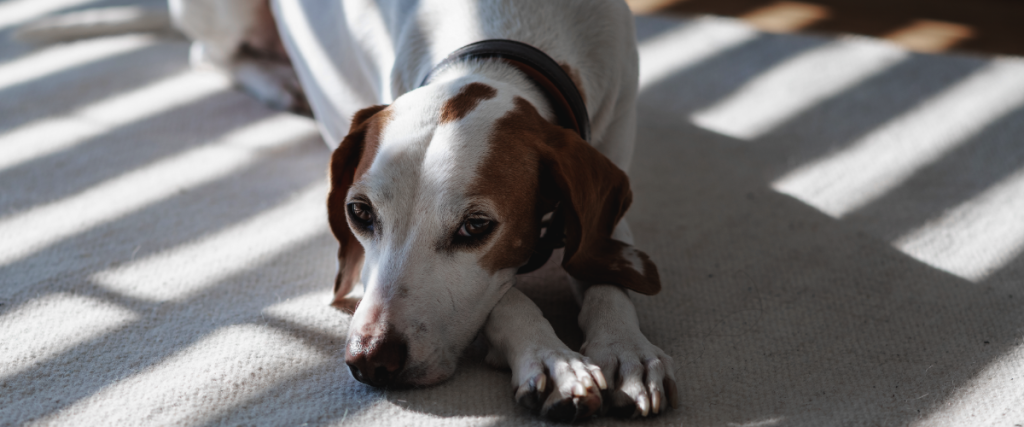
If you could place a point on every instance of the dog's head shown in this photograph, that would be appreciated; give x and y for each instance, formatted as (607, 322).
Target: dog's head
(437, 200)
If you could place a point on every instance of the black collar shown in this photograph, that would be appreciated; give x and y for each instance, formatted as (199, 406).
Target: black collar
(562, 94)
(558, 87)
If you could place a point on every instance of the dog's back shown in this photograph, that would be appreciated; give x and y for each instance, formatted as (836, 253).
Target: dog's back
(354, 53)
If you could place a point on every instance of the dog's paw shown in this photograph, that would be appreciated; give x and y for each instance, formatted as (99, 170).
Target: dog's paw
(642, 375)
(562, 384)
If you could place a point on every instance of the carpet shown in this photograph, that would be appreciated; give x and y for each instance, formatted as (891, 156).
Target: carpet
(838, 223)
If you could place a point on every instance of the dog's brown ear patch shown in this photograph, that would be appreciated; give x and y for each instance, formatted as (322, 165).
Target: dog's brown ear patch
(465, 101)
(594, 194)
(348, 163)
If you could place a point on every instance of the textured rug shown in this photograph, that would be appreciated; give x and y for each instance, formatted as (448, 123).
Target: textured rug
(839, 226)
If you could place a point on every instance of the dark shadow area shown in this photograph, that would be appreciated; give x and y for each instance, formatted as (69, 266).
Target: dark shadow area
(549, 288)
(1008, 278)
(648, 27)
(787, 313)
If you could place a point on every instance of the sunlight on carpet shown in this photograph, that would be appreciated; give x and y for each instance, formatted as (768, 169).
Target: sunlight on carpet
(313, 311)
(64, 57)
(872, 166)
(797, 85)
(33, 230)
(224, 369)
(976, 238)
(180, 272)
(68, 320)
(993, 397)
(53, 134)
(687, 45)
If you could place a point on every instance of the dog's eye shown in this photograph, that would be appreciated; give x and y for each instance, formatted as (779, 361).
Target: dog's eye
(361, 214)
(475, 227)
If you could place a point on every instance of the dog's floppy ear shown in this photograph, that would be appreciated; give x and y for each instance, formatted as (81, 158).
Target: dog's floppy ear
(345, 164)
(594, 195)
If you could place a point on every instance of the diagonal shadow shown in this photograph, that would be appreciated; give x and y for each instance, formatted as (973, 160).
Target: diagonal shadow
(141, 233)
(841, 120)
(61, 92)
(789, 314)
(1009, 278)
(970, 169)
(327, 392)
(163, 330)
(771, 309)
(693, 88)
(126, 148)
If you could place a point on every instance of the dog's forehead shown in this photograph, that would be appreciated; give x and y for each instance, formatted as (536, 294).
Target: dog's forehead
(435, 139)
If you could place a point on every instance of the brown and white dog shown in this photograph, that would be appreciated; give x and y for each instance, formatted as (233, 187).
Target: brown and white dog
(438, 190)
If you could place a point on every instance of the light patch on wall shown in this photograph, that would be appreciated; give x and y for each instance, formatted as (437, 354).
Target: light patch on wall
(45, 327)
(924, 35)
(875, 164)
(976, 238)
(33, 230)
(225, 369)
(687, 45)
(182, 271)
(643, 7)
(796, 85)
(50, 135)
(785, 16)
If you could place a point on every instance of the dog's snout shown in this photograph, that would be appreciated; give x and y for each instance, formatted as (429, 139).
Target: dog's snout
(376, 359)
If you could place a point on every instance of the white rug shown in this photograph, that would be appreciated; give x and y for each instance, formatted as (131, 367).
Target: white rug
(839, 226)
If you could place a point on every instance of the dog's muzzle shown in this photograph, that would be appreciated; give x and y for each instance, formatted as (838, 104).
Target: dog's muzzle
(376, 359)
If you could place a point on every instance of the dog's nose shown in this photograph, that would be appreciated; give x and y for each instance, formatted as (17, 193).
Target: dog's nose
(376, 359)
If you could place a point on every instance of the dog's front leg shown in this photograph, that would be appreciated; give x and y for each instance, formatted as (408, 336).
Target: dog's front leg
(641, 376)
(546, 374)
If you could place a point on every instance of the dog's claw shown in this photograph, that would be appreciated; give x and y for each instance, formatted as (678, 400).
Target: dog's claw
(644, 380)
(560, 384)
(569, 409)
(671, 393)
(621, 405)
(531, 393)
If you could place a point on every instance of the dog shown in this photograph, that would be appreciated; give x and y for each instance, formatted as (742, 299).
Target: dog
(470, 138)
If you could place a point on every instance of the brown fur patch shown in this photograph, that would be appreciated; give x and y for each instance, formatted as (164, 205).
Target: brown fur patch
(348, 163)
(532, 158)
(576, 80)
(509, 177)
(465, 101)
